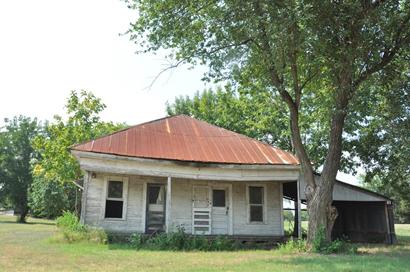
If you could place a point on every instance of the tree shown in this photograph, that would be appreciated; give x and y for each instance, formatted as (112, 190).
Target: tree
(384, 147)
(322, 53)
(16, 155)
(83, 124)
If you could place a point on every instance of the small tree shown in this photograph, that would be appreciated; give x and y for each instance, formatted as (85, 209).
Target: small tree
(83, 123)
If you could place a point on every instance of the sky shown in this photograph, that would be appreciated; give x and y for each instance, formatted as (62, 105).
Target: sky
(50, 47)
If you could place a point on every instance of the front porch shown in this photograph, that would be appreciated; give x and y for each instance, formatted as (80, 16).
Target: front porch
(148, 204)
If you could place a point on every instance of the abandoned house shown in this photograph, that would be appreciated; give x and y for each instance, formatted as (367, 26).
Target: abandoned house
(181, 172)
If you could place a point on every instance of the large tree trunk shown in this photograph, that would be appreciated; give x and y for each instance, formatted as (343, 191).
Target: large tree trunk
(321, 212)
(319, 196)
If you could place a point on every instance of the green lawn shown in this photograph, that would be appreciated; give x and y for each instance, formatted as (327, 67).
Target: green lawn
(28, 247)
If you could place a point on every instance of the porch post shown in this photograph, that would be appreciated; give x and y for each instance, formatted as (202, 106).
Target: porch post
(87, 176)
(298, 209)
(168, 207)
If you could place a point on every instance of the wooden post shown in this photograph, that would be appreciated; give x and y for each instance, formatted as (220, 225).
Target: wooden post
(87, 177)
(168, 207)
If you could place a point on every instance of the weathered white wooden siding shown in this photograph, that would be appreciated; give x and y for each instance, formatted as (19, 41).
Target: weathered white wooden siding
(94, 213)
(273, 211)
(181, 208)
(342, 192)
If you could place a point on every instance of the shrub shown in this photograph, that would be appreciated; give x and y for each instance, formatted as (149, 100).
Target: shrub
(69, 221)
(199, 243)
(74, 231)
(293, 246)
(222, 243)
(179, 241)
(320, 245)
(137, 240)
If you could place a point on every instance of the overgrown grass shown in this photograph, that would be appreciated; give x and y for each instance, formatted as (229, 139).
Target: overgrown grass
(180, 241)
(71, 230)
(27, 247)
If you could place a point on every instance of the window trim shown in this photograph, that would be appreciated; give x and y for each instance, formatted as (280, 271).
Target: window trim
(248, 205)
(124, 198)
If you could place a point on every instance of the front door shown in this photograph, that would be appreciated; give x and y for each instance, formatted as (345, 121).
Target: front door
(155, 208)
(220, 210)
(210, 210)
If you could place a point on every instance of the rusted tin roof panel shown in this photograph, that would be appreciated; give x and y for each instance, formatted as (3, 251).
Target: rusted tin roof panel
(184, 138)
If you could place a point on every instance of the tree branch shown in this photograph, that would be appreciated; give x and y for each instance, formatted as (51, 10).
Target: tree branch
(171, 66)
(388, 54)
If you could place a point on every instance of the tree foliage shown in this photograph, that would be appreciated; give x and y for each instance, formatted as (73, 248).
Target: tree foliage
(321, 53)
(83, 123)
(49, 198)
(383, 145)
(16, 156)
(255, 113)
(242, 112)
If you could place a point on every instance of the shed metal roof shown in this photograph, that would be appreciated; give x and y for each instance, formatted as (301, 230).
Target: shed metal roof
(184, 138)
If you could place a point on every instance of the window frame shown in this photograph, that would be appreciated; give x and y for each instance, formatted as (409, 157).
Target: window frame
(124, 198)
(249, 205)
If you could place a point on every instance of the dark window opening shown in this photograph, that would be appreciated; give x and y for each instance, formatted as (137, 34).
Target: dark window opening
(255, 195)
(218, 198)
(115, 189)
(256, 214)
(113, 209)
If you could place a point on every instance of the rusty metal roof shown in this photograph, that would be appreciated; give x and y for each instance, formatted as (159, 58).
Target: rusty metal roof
(184, 138)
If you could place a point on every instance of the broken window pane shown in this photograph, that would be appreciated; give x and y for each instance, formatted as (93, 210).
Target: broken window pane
(113, 209)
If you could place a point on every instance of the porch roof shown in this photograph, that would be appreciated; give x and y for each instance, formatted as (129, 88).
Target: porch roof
(183, 138)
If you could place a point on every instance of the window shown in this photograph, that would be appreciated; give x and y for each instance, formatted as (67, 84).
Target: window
(114, 203)
(256, 201)
(218, 198)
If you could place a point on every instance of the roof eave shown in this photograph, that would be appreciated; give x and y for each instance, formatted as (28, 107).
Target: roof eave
(96, 155)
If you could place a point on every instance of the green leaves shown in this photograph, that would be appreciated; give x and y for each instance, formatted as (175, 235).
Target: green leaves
(255, 113)
(16, 157)
(83, 124)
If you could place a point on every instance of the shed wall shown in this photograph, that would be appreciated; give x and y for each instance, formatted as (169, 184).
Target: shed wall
(343, 192)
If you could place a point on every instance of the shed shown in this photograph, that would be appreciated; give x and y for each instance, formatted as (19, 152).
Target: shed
(363, 215)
